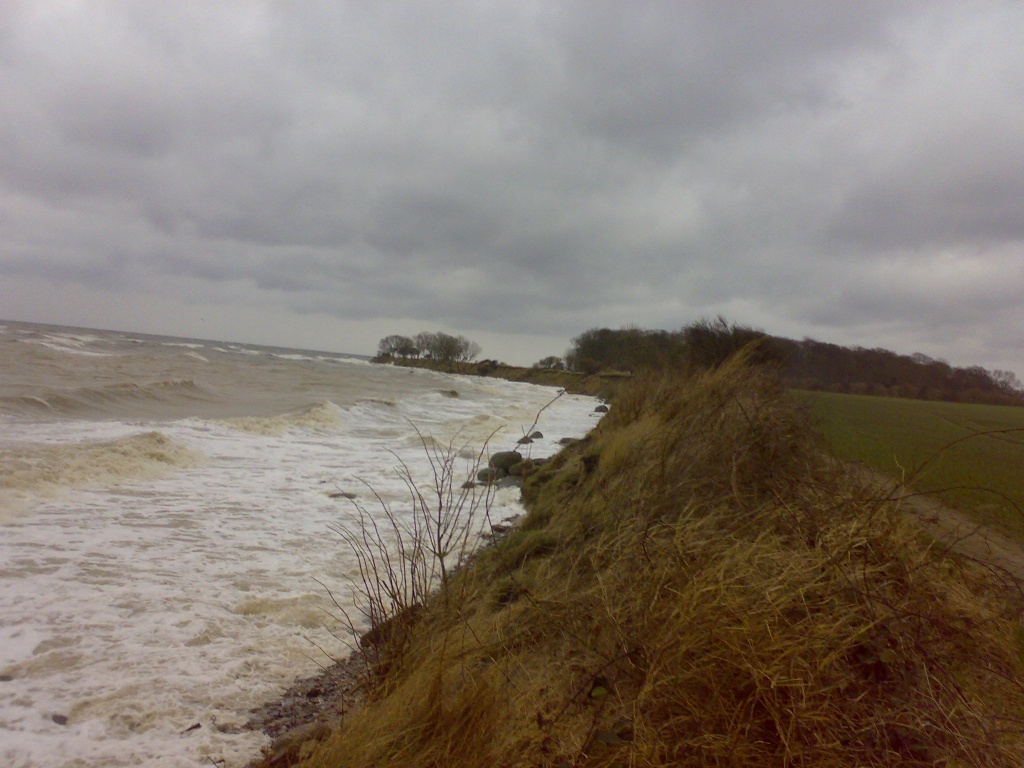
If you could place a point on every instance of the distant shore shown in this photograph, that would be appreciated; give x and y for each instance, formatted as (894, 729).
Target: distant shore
(603, 384)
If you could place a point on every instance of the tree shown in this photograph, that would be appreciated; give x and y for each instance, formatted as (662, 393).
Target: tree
(1007, 381)
(627, 349)
(468, 350)
(551, 361)
(426, 344)
(709, 343)
(396, 346)
(443, 347)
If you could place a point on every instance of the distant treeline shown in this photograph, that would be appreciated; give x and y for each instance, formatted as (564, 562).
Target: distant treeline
(430, 346)
(807, 364)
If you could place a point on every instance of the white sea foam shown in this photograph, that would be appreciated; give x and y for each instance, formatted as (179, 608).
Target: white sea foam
(295, 356)
(319, 417)
(137, 604)
(70, 349)
(40, 471)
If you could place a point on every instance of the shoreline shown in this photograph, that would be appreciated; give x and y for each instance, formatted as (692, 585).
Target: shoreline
(308, 710)
(311, 707)
(602, 384)
(642, 550)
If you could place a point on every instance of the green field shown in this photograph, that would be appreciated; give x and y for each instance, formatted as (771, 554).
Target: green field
(972, 455)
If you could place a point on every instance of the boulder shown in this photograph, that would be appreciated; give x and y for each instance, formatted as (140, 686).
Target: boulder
(490, 474)
(522, 468)
(601, 409)
(504, 459)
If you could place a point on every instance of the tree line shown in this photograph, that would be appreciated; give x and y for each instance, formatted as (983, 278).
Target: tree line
(817, 365)
(442, 347)
(806, 364)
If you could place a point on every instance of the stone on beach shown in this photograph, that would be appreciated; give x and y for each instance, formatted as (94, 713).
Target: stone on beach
(490, 474)
(503, 460)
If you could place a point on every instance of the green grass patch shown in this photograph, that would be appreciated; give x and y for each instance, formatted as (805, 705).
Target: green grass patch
(972, 456)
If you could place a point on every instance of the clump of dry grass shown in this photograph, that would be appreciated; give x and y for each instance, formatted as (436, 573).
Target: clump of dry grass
(713, 590)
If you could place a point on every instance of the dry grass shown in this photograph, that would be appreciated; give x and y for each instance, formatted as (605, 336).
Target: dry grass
(701, 586)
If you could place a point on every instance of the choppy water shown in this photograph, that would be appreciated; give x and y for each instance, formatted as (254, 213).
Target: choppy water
(166, 512)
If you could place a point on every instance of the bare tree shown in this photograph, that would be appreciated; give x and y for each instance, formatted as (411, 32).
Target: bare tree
(396, 346)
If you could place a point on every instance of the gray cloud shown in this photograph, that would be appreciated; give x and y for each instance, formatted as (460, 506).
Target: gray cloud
(850, 171)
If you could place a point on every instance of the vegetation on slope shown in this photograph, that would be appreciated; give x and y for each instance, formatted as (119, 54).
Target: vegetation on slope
(697, 584)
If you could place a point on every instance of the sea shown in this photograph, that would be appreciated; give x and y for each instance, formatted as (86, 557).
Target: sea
(173, 512)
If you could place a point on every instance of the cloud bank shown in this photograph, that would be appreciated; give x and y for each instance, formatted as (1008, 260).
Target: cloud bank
(322, 174)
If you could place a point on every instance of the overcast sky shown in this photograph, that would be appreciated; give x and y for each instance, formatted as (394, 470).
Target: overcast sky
(321, 174)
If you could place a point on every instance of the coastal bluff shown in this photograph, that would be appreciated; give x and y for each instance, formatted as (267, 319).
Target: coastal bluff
(698, 582)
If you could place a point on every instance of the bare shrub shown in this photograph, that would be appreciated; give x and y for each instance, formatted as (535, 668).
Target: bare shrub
(403, 558)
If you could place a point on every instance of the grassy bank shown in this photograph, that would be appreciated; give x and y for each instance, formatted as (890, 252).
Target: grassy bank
(696, 584)
(969, 455)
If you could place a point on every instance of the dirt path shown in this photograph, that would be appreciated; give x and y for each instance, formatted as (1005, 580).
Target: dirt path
(954, 529)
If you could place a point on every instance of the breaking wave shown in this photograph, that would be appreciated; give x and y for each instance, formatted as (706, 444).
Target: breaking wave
(110, 399)
(320, 417)
(41, 471)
